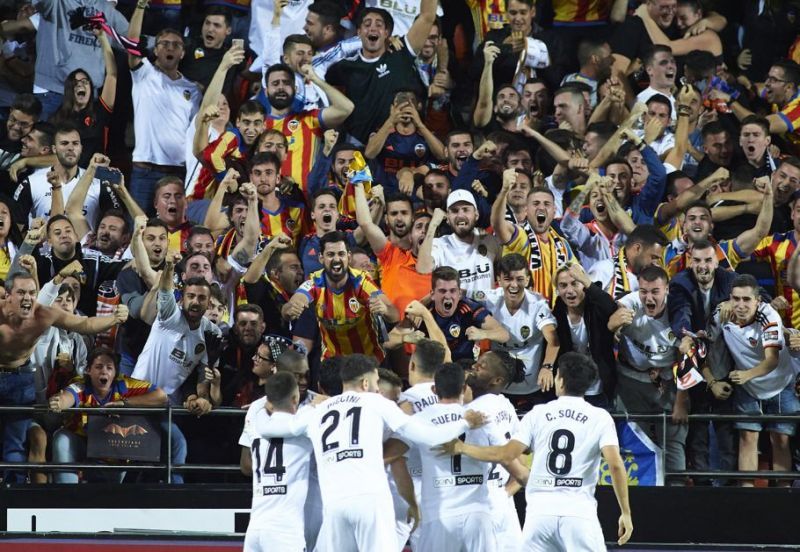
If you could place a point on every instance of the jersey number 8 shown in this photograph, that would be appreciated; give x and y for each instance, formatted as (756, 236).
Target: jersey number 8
(562, 443)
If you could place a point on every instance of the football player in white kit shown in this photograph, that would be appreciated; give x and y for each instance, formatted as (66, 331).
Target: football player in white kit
(490, 375)
(567, 437)
(347, 432)
(280, 475)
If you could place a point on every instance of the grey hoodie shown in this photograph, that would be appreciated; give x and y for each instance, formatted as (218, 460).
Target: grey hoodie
(60, 50)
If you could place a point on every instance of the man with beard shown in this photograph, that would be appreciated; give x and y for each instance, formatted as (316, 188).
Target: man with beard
(164, 105)
(546, 249)
(698, 225)
(694, 295)
(618, 276)
(764, 376)
(533, 341)
(403, 141)
(35, 194)
(595, 59)
(582, 310)
(325, 217)
(647, 350)
(345, 300)
(495, 109)
(303, 129)
(23, 114)
(35, 146)
(780, 88)
(642, 203)
(491, 374)
(150, 241)
(170, 207)
(602, 237)
(401, 280)
(22, 322)
(208, 51)
(372, 78)
(463, 322)
(467, 250)
(64, 249)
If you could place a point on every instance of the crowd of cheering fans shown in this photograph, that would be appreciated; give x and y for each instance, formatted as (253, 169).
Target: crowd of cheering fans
(198, 195)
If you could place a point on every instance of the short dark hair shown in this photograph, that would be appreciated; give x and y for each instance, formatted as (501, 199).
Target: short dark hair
(604, 129)
(329, 12)
(457, 132)
(249, 307)
(54, 219)
(329, 191)
(673, 177)
(387, 375)
(449, 381)
(291, 361)
(197, 231)
(504, 366)
(714, 127)
(333, 237)
(118, 214)
(791, 71)
(745, 280)
(280, 387)
(428, 356)
(198, 281)
(356, 366)
(399, 197)
(219, 10)
(446, 273)
(388, 20)
(251, 107)
(587, 48)
(510, 263)
(47, 130)
(155, 222)
(294, 39)
(330, 377)
(28, 104)
(651, 273)
(279, 68)
(165, 181)
(701, 244)
(650, 54)
(660, 99)
(275, 259)
(578, 372)
(757, 120)
(541, 190)
(265, 158)
(698, 203)
(168, 31)
(66, 127)
(647, 235)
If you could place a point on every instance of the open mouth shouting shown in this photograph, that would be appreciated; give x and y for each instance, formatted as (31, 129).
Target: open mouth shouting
(327, 219)
(670, 75)
(337, 268)
(650, 307)
(448, 305)
(373, 41)
(104, 380)
(600, 209)
(26, 307)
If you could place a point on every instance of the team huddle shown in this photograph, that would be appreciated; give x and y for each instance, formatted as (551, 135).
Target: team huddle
(435, 466)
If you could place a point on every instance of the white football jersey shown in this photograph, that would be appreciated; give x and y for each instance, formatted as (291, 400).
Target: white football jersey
(42, 196)
(747, 345)
(502, 424)
(647, 342)
(525, 326)
(566, 437)
(420, 397)
(280, 477)
(473, 261)
(452, 485)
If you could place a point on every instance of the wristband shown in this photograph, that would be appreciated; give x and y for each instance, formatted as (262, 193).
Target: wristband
(547, 366)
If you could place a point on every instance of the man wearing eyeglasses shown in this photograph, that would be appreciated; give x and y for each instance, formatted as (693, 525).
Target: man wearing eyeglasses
(781, 88)
(164, 104)
(23, 114)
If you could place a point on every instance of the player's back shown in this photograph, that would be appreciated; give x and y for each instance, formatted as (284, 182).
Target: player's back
(566, 437)
(280, 479)
(347, 433)
(452, 485)
(502, 424)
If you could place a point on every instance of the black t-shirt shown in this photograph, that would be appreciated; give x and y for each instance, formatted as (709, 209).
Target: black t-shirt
(630, 39)
(200, 63)
(9, 151)
(93, 127)
(371, 85)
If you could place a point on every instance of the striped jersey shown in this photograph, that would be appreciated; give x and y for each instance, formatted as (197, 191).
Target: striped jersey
(177, 237)
(345, 321)
(777, 249)
(214, 159)
(790, 114)
(304, 132)
(544, 257)
(487, 15)
(123, 387)
(567, 12)
(676, 255)
(289, 218)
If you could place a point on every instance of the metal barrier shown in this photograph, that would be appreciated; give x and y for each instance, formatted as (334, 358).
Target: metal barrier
(168, 467)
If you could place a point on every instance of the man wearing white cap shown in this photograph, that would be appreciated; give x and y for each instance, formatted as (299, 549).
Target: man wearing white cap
(467, 249)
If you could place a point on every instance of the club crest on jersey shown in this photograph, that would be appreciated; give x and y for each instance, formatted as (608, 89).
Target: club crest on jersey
(753, 341)
(290, 223)
(354, 305)
(525, 332)
(198, 350)
(294, 124)
(482, 250)
(382, 70)
(420, 150)
(455, 330)
(187, 95)
(479, 295)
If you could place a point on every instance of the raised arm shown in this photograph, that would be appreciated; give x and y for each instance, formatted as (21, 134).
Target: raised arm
(85, 325)
(109, 95)
(77, 198)
(375, 236)
(483, 107)
(257, 268)
(216, 220)
(341, 106)
(418, 33)
(141, 260)
(126, 198)
(378, 139)
(425, 262)
(135, 30)
(244, 250)
(503, 229)
(233, 57)
(748, 240)
(417, 310)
